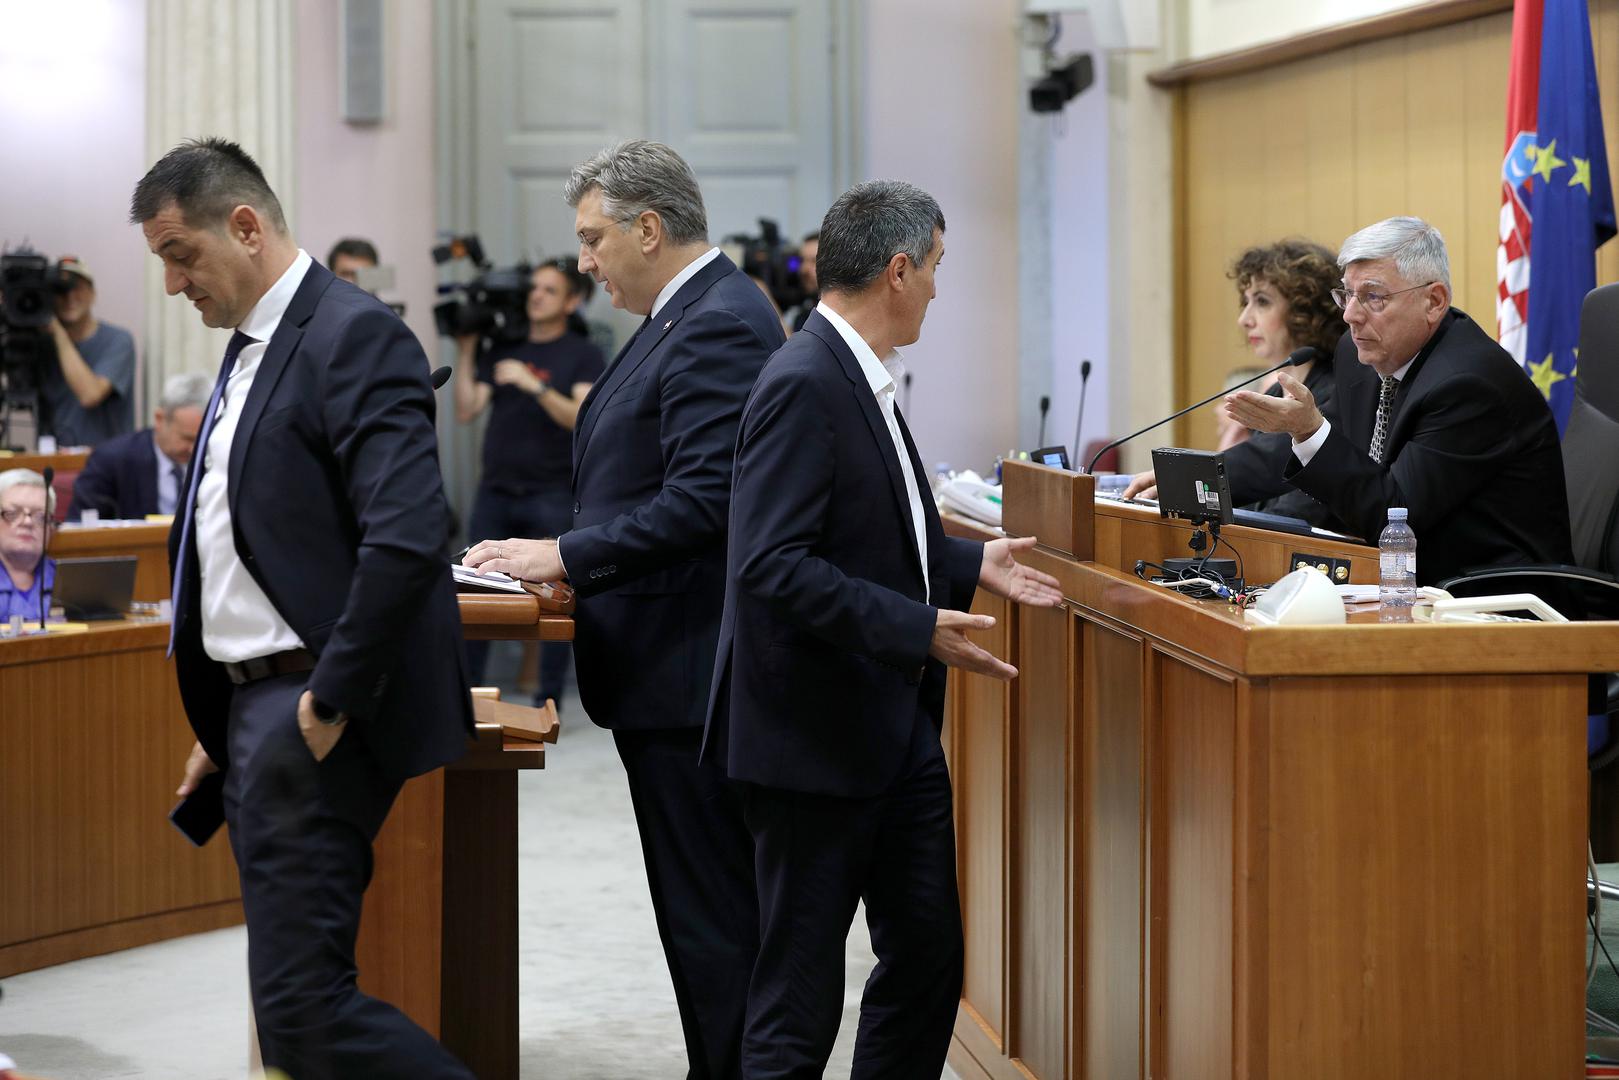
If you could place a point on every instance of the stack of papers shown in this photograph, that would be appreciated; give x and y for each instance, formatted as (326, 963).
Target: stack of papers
(478, 579)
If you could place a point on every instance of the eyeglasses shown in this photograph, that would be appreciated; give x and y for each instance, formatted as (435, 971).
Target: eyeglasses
(21, 513)
(1371, 301)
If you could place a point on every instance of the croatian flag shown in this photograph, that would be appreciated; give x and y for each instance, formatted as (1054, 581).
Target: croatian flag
(1556, 202)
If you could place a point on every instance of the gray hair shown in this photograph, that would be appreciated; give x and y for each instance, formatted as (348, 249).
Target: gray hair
(1415, 246)
(27, 478)
(637, 176)
(186, 390)
(868, 225)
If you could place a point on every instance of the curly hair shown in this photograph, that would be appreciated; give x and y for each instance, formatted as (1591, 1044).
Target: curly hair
(1305, 275)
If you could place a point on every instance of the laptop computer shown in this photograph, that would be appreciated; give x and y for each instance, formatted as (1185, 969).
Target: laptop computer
(92, 589)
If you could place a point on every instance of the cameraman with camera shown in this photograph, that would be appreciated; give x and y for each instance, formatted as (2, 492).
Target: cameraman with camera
(533, 389)
(88, 392)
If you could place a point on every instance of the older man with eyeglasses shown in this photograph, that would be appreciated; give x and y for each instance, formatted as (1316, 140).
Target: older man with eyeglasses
(24, 508)
(1430, 414)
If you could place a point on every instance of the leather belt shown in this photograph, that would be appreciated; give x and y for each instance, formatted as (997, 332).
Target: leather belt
(264, 667)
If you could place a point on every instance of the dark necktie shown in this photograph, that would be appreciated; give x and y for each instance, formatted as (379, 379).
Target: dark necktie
(1385, 409)
(187, 506)
(179, 474)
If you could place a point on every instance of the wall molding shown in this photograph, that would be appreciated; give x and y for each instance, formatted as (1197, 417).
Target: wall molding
(1331, 39)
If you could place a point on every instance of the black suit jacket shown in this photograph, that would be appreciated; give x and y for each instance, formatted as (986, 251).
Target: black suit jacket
(1472, 451)
(652, 455)
(823, 654)
(119, 480)
(338, 513)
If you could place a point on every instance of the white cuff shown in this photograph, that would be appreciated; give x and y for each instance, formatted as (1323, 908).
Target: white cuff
(1306, 450)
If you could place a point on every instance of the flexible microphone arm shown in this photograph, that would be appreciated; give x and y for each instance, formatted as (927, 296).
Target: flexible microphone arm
(45, 546)
(1294, 359)
(1079, 419)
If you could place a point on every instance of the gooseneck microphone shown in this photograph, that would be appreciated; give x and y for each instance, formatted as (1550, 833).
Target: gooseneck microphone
(44, 547)
(440, 376)
(1079, 421)
(1295, 358)
(1045, 407)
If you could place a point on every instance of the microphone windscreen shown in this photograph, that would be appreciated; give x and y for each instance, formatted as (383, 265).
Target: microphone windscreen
(50, 475)
(1302, 355)
(1045, 403)
(1085, 370)
(440, 376)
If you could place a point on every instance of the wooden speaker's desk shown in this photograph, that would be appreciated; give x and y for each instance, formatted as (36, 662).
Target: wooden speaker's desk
(149, 543)
(1192, 847)
(92, 741)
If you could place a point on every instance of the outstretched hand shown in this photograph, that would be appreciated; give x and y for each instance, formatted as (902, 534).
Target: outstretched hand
(952, 646)
(1004, 576)
(1294, 412)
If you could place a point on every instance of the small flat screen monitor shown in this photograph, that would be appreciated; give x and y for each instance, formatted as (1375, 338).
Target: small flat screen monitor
(1055, 456)
(1192, 485)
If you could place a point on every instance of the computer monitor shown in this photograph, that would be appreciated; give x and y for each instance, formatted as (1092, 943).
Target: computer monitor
(1055, 456)
(1192, 485)
(92, 589)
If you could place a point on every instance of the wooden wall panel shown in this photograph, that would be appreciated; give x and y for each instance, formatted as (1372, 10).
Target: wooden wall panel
(1040, 874)
(1108, 924)
(1321, 146)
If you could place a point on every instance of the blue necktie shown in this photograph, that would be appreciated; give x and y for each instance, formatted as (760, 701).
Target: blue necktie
(188, 502)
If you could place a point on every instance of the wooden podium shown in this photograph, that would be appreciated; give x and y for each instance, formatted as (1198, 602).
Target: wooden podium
(438, 935)
(1193, 847)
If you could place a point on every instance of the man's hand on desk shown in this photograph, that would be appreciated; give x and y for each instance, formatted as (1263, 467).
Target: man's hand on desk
(1004, 576)
(198, 765)
(952, 646)
(530, 560)
(1294, 412)
(1143, 485)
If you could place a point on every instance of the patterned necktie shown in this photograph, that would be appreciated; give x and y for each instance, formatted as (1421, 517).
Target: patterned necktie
(187, 499)
(1385, 407)
(179, 474)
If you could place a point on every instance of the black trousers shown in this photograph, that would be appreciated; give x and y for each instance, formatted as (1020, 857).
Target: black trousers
(699, 866)
(302, 833)
(817, 855)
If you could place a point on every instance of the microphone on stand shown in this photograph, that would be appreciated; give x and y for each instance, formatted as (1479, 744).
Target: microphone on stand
(907, 405)
(44, 547)
(1045, 407)
(1079, 421)
(1297, 357)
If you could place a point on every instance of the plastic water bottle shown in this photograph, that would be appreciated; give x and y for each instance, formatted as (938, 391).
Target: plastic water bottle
(1397, 566)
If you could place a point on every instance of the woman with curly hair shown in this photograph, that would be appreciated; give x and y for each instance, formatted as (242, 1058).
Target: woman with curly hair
(1285, 292)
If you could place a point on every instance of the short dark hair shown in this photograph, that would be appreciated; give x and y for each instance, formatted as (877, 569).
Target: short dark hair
(355, 248)
(206, 179)
(811, 237)
(867, 226)
(580, 284)
(1304, 273)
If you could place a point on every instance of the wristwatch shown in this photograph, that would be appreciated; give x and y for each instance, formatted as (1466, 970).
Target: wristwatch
(325, 713)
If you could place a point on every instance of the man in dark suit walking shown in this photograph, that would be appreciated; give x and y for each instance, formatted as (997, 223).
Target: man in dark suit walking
(130, 476)
(315, 633)
(652, 455)
(1430, 414)
(846, 601)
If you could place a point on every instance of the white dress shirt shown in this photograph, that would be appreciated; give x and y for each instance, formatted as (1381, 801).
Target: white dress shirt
(883, 376)
(168, 485)
(667, 293)
(238, 621)
(1306, 450)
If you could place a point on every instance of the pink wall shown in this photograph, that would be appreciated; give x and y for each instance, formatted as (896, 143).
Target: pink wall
(73, 141)
(940, 101)
(374, 181)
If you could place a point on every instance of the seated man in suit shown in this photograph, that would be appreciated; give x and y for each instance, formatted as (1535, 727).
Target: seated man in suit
(1430, 414)
(142, 473)
(844, 603)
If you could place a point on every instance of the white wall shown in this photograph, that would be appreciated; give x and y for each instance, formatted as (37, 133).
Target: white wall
(373, 181)
(939, 105)
(1218, 26)
(73, 129)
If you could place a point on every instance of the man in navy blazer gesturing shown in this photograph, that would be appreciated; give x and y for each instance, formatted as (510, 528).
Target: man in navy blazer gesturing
(846, 602)
(315, 635)
(652, 456)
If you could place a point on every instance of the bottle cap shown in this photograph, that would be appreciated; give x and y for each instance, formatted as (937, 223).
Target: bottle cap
(1397, 513)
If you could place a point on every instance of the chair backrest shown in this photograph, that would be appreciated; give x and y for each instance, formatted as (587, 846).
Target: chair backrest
(1591, 442)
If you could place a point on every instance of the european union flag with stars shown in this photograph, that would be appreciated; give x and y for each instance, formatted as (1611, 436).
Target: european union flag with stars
(1570, 200)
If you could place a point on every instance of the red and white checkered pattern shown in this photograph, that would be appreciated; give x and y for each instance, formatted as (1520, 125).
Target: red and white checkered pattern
(1512, 274)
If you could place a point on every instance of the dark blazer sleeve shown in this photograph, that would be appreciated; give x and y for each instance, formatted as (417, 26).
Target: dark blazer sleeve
(377, 409)
(96, 486)
(1457, 445)
(784, 476)
(706, 373)
(963, 560)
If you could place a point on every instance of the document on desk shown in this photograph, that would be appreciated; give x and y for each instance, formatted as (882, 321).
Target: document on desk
(1358, 594)
(478, 579)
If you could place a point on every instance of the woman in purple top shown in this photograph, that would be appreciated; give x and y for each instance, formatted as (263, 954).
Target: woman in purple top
(24, 506)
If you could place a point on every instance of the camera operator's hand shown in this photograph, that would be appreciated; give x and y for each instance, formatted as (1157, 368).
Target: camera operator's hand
(516, 373)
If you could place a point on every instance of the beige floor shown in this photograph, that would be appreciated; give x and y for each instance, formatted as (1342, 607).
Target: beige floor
(596, 1000)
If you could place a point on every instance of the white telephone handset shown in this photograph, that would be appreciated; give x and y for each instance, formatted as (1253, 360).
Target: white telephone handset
(1448, 608)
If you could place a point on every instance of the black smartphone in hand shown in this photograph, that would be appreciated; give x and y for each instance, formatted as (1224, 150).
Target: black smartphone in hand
(200, 814)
